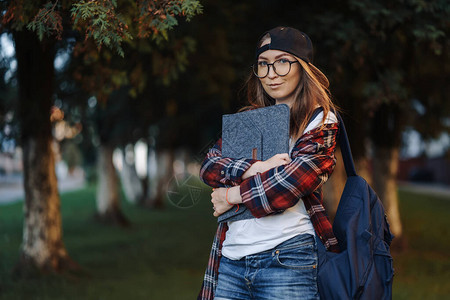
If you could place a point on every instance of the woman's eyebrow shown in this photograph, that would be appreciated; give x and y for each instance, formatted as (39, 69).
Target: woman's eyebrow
(276, 57)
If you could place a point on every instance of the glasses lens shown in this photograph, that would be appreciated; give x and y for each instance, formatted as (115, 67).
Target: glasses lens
(260, 69)
(282, 67)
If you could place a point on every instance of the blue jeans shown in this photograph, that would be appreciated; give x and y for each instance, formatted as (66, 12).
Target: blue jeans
(288, 271)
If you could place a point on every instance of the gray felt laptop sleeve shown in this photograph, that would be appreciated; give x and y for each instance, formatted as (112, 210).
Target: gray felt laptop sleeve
(259, 134)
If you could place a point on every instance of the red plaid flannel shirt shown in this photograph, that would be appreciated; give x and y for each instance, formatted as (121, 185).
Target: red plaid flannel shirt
(276, 189)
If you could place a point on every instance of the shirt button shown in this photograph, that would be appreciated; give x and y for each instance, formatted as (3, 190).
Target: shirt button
(222, 172)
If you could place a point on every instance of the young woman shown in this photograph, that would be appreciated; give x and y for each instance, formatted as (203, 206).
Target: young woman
(274, 255)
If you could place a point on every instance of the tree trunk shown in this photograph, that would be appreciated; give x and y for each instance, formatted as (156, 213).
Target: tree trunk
(386, 136)
(131, 183)
(152, 178)
(42, 247)
(159, 182)
(108, 204)
(385, 184)
(364, 169)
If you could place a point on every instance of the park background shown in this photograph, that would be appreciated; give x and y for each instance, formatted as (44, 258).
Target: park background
(109, 107)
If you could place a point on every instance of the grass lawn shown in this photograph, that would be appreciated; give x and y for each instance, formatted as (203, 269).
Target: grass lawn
(422, 271)
(164, 253)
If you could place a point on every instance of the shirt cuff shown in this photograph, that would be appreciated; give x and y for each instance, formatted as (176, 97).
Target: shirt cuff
(234, 170)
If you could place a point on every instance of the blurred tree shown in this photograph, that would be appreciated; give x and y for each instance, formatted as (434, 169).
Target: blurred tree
(71, 155)
(385, 56)
(8, 100)
(36, 27)
(131, 95)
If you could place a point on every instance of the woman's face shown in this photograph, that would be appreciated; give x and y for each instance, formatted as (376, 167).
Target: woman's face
(281, 88)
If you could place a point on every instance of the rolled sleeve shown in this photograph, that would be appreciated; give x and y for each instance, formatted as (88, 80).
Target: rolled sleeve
(218, 171)
(236, 168)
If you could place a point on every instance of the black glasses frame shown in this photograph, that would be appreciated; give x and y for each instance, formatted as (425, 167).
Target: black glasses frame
(255, 68)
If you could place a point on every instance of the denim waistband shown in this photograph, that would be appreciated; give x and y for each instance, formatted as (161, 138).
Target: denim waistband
(297, 240)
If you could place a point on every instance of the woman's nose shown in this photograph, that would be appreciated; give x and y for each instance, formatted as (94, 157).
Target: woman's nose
(272, 73)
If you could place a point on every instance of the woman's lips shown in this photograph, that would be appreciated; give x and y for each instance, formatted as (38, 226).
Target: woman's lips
(274, 85)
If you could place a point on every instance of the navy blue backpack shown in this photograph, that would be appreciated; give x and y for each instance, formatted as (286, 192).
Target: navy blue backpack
(363, 269)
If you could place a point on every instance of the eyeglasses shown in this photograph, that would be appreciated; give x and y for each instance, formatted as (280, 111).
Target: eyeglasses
(281, 67)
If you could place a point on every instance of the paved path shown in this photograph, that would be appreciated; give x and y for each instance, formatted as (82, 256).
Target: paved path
(11, 187)
(429, 189)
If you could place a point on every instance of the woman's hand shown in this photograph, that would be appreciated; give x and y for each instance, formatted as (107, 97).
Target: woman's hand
(262, 166)
(218, 199)
(275, 161)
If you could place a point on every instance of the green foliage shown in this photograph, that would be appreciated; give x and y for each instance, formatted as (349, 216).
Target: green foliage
(48, 21)
(388, 52)
(156, 18)
(391, 84)
(101, 22)
(168, 67)
(191, 8)
(425, 19)
(431, 33)
(17, 14)
(99, 19)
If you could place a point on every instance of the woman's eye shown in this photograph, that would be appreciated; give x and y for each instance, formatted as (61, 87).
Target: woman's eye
(284, 61)
(262, 63)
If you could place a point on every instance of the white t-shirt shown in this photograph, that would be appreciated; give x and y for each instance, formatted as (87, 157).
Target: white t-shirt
(246, 237)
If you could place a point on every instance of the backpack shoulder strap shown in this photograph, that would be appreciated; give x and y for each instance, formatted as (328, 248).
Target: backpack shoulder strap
(345, 148)
(344, 144)
(315, 113)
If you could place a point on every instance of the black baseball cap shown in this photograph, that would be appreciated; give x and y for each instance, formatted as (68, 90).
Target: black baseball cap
(290, 40)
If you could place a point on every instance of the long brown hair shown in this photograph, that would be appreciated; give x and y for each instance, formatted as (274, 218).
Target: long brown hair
(311, 92)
